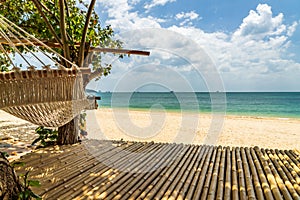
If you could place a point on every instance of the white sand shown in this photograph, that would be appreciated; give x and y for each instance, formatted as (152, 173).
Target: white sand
(266, 132)
(16, 135)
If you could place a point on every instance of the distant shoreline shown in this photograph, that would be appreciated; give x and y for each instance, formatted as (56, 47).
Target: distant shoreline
(256, 104)
(202, 112)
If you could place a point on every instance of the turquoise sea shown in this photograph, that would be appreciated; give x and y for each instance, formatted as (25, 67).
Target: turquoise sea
(274, 104)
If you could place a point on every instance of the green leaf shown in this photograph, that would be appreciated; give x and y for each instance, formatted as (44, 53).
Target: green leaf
(21, 195)
(35, 141)
(32, 194)
(18, 164)
(34, 183)
(5, 154)
(27, 194)
(39, 128)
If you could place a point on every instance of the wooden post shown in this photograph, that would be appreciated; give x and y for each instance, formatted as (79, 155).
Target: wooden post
(10, 186)
(68, 133)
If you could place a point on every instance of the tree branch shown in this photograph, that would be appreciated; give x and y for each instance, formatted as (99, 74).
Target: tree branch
(70, 37)
(84, 33)
(63, 30)
(38, 6)
(97, 73)
(49, 11)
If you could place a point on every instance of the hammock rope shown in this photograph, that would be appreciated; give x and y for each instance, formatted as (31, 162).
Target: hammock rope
(49, 97)
(16, 30)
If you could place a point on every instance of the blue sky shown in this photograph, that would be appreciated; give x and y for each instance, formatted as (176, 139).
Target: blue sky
(198, 45)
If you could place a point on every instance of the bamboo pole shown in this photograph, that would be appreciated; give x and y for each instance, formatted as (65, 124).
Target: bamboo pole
(51, 44)
(205, 190)
(286, 171)
(137, 162)
(235, 186)
(104, 167)
(227, 189)
(270, 177)
(278, 179)
(160, 187)
(180, 182)
(203, 173)
(221, 180)
(256, 182)
(157, 179)
(280, 172)
(241, 177)
(292, 158)
(198, 169)
(214, 180)
(290, 166)
(249, 185)
(192, 169)
(264, 183)
(176, 175)
(164, 159)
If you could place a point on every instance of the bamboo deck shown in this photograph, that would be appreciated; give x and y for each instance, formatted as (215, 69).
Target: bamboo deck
(135, 170)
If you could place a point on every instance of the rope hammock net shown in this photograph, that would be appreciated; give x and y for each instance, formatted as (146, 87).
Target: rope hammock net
(50, 96)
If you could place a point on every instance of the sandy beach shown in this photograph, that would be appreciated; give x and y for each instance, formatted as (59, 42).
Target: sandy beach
(16, 135)
(192, 128)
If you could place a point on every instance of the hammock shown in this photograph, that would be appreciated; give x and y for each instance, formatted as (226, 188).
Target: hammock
(48, 97)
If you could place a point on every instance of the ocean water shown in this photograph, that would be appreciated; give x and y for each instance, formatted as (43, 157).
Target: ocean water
(274, 104)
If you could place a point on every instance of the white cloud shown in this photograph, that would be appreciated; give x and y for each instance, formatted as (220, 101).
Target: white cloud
(154, 3)
(134, 2)
(190, 15)
(255, 52)
(121, 16)
(187, 17)
(291, 29)
(260, 24)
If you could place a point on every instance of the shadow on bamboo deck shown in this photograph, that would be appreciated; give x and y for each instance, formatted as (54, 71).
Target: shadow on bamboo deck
(135, 170)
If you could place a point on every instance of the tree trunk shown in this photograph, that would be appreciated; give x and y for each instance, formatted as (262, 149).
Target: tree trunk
(10, 186)
(68, 133)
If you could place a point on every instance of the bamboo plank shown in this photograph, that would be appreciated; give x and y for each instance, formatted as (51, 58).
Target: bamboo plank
(214, 179)
(182, 176)
(192, 169)
(294, 170)
(282, 174)
(249, 185)
(235, 186)
(203, 173)
(198, 169)
(140, 167)
(160, 184)
(264, 183)
(227, 189)
(285, 193)
(270, 177)
(257, 185)
(95, 170)
(241, 177)
(221, 176)
(163, 159)
(174, 178)
(209, 174)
